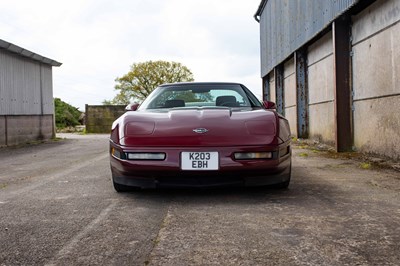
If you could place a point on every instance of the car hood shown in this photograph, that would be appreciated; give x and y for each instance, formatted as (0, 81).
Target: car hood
(184, 127)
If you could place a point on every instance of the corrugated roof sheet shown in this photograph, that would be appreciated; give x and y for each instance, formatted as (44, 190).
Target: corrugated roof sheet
(26, 53)
(287, 25)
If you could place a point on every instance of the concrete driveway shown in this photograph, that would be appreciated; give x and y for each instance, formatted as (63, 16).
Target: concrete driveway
(58, 207)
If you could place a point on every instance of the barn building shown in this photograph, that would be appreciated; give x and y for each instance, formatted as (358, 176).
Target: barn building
(26, 95)
(333, 69)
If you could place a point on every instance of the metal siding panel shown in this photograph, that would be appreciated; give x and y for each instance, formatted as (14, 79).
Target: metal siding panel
(33, 83)
(285, 37)
(3, 85)
(264, 43)
(19, 85)
(47, 90)
(286, 25)
(30, 89)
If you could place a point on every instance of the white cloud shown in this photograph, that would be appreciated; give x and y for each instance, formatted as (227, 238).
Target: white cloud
(98, 40)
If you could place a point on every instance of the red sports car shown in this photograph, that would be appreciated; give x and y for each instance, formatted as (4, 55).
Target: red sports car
(200, 135)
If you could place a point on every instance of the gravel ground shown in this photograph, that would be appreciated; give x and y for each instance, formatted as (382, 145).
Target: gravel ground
(58, 207)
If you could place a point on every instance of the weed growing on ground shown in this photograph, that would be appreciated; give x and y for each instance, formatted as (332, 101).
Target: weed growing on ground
(303, 154)
(365, 166)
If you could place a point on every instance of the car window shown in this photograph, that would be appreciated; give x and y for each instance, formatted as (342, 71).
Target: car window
(228, 95)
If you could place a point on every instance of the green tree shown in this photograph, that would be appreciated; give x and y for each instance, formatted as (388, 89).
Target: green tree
(66, 115)
(144, 77)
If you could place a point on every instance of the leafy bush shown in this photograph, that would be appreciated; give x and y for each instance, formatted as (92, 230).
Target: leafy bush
(66, 115)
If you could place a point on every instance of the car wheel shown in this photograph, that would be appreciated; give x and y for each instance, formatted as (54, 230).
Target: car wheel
(118, 187)
(121, 188)
(285, 185)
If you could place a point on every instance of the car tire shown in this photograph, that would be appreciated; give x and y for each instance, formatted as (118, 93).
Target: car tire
(121, 188)
(285, 185)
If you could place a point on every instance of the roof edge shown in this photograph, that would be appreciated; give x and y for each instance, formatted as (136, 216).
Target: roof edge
(260, 10)
(27, 54)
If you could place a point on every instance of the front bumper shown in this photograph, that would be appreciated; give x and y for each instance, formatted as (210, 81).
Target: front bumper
(168, 173)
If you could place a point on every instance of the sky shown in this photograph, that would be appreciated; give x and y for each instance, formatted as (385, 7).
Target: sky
(98, 40)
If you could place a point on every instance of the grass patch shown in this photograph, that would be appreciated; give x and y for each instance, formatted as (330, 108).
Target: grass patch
(303, 154)
(303, 147)
(365, 166)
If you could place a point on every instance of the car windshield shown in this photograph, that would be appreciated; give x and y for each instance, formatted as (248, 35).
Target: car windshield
(200, 95)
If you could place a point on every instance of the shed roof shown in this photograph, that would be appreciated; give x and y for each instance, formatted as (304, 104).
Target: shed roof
(286, 26)
(260, 10)
(26, 53)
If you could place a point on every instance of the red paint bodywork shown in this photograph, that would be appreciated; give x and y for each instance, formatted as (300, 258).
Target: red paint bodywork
(175, 128)
(230, 130)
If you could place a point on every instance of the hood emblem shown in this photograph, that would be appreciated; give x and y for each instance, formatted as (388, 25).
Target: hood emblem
(200, 130)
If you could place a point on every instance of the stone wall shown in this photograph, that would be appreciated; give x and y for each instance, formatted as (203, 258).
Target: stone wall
(99, 118)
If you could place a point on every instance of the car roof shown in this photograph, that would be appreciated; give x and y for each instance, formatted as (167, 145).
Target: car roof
(198, 83)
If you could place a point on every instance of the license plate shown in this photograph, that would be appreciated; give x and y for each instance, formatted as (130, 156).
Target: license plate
(199, 161)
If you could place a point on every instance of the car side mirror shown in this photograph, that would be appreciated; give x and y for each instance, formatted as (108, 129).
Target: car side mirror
(269, 105)
(132, 107)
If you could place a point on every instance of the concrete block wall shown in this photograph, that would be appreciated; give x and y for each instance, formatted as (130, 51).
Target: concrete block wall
(272, 87)
(3, 131)
(345, 107)
(21, 129)
(321, 90)
(289, 84)
(376, 79)
(99, 118)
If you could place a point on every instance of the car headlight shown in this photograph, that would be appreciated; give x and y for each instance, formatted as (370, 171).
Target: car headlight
(252, 155)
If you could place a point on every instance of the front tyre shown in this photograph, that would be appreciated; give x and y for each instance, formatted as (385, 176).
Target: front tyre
(120, 188)
(285, 185)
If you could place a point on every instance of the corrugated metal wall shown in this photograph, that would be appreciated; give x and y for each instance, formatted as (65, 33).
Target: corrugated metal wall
(281, 37)
(47, 89)
(25, 86)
